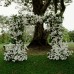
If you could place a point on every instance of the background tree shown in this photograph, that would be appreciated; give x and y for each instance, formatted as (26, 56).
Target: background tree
(39, 8)
(66, 36)
(4, 23)
(71, 35)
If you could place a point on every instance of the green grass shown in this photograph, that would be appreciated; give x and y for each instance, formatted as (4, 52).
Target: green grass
(71, 46)
(37, 64)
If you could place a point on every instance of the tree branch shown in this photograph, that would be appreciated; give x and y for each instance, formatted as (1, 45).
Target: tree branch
(45, 6)
(37, 6)
(62, 7)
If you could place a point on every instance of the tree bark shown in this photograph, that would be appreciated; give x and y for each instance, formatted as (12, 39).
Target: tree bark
(40, 35)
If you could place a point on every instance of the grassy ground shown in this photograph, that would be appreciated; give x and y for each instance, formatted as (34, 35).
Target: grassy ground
(71, 45)
(37, 63)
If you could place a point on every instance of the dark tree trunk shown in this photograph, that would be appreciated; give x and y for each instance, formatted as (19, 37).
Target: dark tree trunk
(40, 35)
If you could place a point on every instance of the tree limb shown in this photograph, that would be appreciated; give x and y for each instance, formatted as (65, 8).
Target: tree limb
(45, 6)
(62, 7)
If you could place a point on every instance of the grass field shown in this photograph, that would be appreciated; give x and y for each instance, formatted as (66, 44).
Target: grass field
(37, 63)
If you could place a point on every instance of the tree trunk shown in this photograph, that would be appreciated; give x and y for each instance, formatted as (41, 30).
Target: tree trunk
(40, 36)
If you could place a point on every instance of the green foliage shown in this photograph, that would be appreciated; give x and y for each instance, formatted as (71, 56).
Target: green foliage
(4, 20)
(65, 35)
(49, 39)
(27, 38)
(4, 38)
(71, 35)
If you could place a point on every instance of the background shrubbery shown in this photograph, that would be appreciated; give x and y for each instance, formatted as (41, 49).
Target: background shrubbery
(67, 36)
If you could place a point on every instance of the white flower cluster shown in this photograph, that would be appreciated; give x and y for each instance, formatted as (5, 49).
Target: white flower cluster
(14, 33)
(16, 50)
(30, 18)
(59, 49)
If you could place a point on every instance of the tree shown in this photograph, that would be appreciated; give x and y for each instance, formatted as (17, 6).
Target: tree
(4, 38)
(59, 50)
(15, 51)
(4, 26)
(39, 8)
(40, 35)
(71, 35)
(66, 36)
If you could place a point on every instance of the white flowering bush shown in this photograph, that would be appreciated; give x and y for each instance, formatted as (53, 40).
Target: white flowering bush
(59, 49)
(16, 51)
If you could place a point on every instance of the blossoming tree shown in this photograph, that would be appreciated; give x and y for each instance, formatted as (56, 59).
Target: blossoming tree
(37, 12)
(16, 51)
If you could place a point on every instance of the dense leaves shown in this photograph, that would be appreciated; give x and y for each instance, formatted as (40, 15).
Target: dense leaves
(71, 35)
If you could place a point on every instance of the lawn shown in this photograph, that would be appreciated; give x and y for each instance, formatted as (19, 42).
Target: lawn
(71, 45)
(37, 64)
